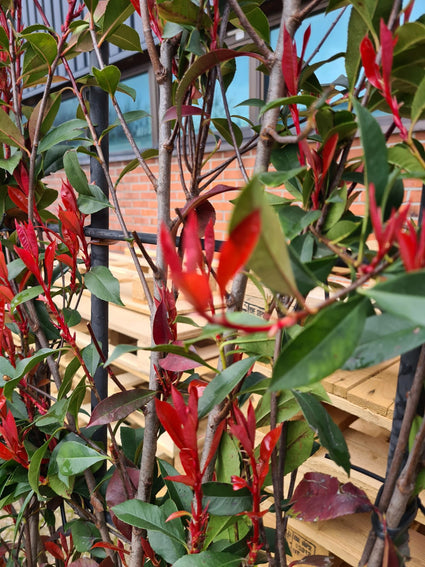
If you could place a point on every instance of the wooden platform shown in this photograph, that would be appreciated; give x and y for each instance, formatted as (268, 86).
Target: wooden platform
(362, 404)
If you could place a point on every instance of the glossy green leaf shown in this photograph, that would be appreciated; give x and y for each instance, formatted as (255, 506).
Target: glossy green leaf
(34, 467)
(209, 559)
(384, 337)
(84, 535)
(145, 516)
(401, 156)
(25, 295)
(222, 384)
(44, 45)
(222, 128)
(180, 493)
(11, 163)
(357, 29)
(108, 78)
(67, 131)
(126, 38)
(418, 103)
(375, 150)
(74, 458)
(299, 444)
(6, 370)
(9, 132)
(116, 13)
(183, 12)
(278, 178)
(322, 347)
(270, 260)
(329, 434)
(93, 201)
(91, 358)
(164, 545)
(75, 174)
(76, 398)
(223, 500)
(403, 296)
(228, 459)
(103, 284)
(55, 415)
(306, 100)
(119, 406)
(342, 230)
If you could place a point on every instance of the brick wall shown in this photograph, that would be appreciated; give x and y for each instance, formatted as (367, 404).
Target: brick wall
(138, 200)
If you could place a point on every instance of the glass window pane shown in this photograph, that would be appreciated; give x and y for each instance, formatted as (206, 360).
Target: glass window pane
(237, 92)
(141, 129)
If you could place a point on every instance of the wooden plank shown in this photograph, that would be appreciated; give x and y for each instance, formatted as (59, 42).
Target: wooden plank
(377, 393)
(360, 411)
(342, 381)
(345, 537)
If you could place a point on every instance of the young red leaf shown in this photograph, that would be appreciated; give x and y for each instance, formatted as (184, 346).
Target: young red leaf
(266, 449)
(387, 49)
(18, 198)
(170, 421)
(368, 55)
(191, 244)
(238, 248)
(49, 258)
(209, 240)
(328, 153)
(321, 497)
(169, 251)
(290, 64)
(196, 288)
(136, 5)
(161, 332)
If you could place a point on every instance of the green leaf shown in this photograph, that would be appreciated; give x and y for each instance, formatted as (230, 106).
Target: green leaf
(306, 100)
(91, 358)
(278, 178)
(222, 127)
(116, 13)
(9, 132)
(67, 131)
(209, 559)
(329, 434)
(11, 163)
(126, 38)
(183, 12)
(145, 516)
(74, 458)
(119, 406)
(223, 500)
(94, 201)
(55, 416)
(164, 545)
(179, 493)
(84, 535)
(403, 296)
(25, 295)
(322, 347)
(270, 260)
(401, 156)
(222, 384)
(6, 370)
(108, 78)
(384, 337)
(375, 150)
(34, 468)
(299, 444)
(103, 284)
(75, 173)
(357, 29)
(418, 103)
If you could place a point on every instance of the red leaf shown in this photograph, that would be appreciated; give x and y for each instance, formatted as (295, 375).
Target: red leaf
(49, 258)
(191, 244)
(390, 558)
(266, 448)
(368, 55)
(321, 497)
(387, 49)
(53, 548)
(196, 288)
(238, 248)
(290, 63)
(328, 153)
(169, 251)
(18, 198)
(68, 197)
(209, 243)
(161, 332)
(170, 421)
(136, 5)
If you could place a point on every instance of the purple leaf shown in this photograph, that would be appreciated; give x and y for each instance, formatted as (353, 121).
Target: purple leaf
(321, 497)
(119, 406)
(162, 333)
(186, 110)
(116, 493)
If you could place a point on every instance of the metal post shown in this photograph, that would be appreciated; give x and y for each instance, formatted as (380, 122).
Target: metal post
(99, 104)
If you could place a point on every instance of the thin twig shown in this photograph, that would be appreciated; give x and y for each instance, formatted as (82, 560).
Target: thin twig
(259, 42)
